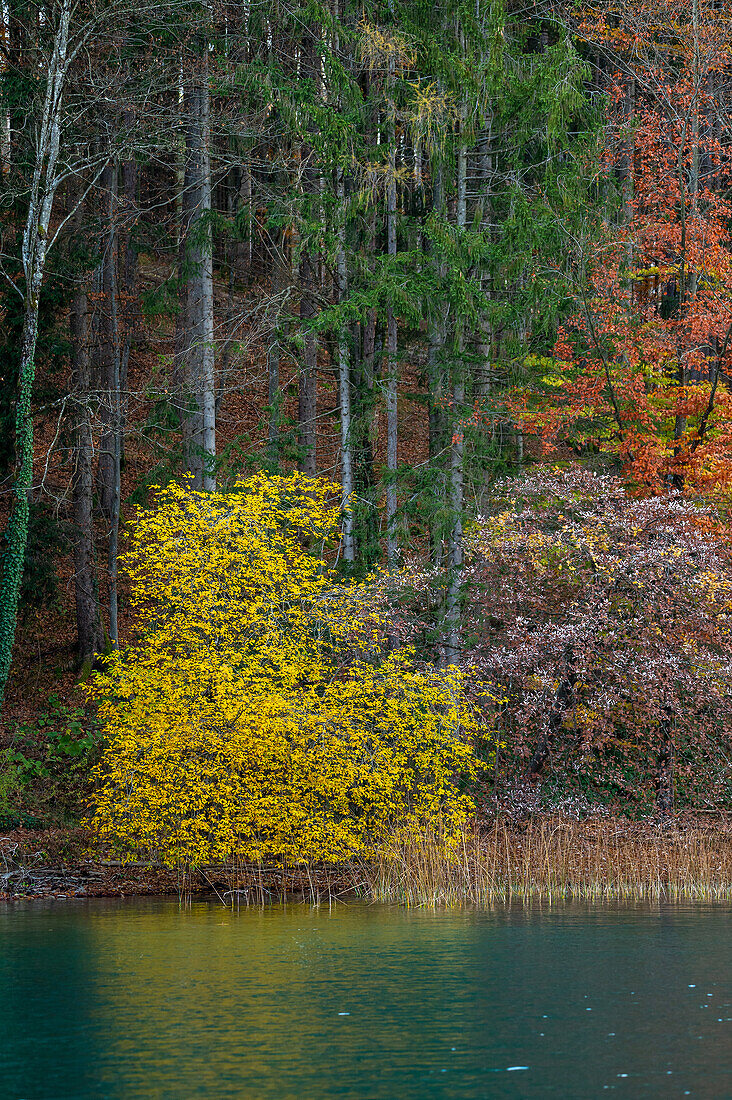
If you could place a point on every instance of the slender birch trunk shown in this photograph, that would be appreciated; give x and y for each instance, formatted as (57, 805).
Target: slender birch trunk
(34, 249)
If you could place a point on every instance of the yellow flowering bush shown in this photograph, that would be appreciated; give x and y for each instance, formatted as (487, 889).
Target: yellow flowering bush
(255, 716)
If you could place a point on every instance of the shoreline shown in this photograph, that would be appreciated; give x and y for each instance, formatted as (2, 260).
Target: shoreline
(546, 857)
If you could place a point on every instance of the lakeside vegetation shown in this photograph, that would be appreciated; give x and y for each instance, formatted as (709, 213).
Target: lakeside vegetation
(259, 715)
(269, 712)
(367, 444)
(554, 859)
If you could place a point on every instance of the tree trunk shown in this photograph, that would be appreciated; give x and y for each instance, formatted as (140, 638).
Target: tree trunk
(34, 247)
(666, 760)
(274, 353)
(199, 342)
(392, 423)
(363, 378)
(208, 346)
(16, 531)
(89, 631)
(452, 643)
(688, 281)
(344, 383)
(437, 388)
(484, 369)
(562, 701)
(108, 362)
(308, 384)
(106, 350)
(281, 286)
(128, 289)
(307, 390)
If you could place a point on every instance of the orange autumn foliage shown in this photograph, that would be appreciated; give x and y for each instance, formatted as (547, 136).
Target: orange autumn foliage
(642, 368)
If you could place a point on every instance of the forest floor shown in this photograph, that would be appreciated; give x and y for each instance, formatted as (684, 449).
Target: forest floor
(69, 863)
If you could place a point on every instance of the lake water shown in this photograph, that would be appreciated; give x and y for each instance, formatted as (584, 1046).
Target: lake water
(146, 999)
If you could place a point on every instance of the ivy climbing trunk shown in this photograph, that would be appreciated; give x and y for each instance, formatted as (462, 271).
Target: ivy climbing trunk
(34, 249)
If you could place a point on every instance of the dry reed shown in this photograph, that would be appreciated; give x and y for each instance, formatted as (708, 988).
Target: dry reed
(240, 884)
(555, 860)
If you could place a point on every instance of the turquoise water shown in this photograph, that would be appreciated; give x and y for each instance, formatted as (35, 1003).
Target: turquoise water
(145, 999)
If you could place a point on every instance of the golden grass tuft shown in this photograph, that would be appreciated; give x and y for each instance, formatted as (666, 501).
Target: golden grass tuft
(556, 860)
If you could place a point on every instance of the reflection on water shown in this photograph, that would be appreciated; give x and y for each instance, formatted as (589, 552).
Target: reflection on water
(145, 999)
